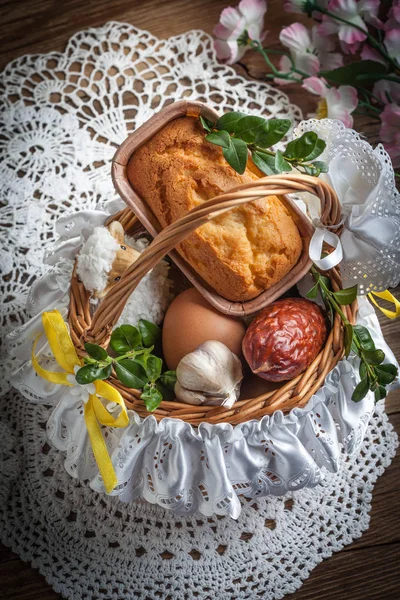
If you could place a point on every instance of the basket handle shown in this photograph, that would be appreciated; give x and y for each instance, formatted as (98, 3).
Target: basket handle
(110, 309)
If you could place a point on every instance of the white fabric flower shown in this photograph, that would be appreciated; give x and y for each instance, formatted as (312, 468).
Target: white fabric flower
(336, 103)
(81, 391)
(310, 53)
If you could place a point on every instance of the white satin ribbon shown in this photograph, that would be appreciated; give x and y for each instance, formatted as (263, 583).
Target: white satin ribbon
(321, 235)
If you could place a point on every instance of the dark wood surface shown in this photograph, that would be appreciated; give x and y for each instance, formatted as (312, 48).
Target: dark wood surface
(368, 569)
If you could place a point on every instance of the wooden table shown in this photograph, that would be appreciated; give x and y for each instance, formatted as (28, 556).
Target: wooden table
(368, 568)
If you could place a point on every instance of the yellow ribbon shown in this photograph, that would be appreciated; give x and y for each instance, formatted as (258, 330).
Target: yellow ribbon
(386, 295)
(94, 412)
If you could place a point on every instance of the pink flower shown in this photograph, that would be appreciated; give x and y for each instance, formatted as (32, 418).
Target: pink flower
(392, 31)
(355, 13)
(336, 103)
(388, 92)
(233, 23)
(309, 53)
(390, 132)
(369, 53)
(392, 43)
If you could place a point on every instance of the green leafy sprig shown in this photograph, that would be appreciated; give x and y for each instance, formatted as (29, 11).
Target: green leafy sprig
(237, 134)
(374, 375)
(134, 364)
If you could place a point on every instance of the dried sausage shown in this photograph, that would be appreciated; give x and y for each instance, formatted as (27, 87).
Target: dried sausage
(284, 339)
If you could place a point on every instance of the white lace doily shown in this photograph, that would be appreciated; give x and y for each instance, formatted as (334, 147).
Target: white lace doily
(64, 116)
(139, 551)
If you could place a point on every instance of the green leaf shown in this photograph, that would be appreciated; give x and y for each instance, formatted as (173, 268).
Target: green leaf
(374, 357)
(318, 149)
(386, 374)
(389, 368)
(346, 296)
(313, 293)
(141, 359)
(153, 367)
(361, 390)
(151, 396)
(364, 70)
(364, 337)
(229, 120)
(362, 370)
(326, 281)
(165, 392)
(320, 165)
(124, 339)
(219, 138)
(91, 373)
(130, 373)
(303, 146)
(274, 130)
(249, 129)
(281, 165)
(96, 351)
(207, 125)
(348, 338)
(379, 393)
(265, 162)
(150, 332)
(168, 379)
(236, 155)
(310, 169)
(263, 132)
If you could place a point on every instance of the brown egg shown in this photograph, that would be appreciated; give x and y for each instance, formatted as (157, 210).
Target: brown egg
(190, 321)
(253, 386)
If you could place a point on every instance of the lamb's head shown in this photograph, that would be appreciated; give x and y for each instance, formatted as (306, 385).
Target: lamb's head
(104, 258)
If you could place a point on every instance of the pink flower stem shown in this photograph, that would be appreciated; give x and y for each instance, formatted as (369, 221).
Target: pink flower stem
(370, 107)
(365, 114)
(368, 93)
(374, 42)
(264, 53)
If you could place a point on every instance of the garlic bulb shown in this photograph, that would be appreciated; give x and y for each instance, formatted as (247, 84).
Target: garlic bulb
(211, 374)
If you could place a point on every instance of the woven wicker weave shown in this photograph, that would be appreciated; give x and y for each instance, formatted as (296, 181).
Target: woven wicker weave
(97, 328)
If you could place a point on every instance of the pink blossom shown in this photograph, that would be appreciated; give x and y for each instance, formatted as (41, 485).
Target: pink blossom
(310, 53)
(355, 13)
(390, 132)
(392, 42)
(233, 23)
(388, 92)
(369, 53)
(393, 15)
(392, 31)
(336, 103)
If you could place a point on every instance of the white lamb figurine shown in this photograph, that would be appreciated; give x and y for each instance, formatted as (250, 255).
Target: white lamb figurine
(104, 258)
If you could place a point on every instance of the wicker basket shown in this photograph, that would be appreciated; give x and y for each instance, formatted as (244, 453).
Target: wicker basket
(97, 328)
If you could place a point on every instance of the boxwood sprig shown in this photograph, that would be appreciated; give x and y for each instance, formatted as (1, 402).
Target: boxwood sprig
(237, 134)
(134, 365)
(374, 375)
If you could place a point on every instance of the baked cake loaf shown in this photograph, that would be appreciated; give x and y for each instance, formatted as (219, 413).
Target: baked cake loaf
(239, 254)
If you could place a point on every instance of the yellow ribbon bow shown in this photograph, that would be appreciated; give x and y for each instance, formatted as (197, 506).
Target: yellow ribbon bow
(94, 412)
(386, 295)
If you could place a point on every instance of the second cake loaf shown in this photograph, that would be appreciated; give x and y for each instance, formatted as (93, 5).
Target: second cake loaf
(239, 254)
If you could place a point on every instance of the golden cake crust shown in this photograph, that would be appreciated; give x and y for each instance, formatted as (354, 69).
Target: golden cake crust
(239, 254)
